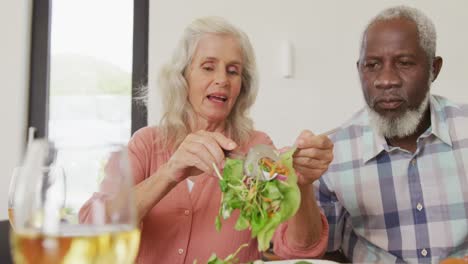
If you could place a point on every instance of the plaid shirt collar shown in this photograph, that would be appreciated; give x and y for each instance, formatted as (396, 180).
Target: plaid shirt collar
(375, 143)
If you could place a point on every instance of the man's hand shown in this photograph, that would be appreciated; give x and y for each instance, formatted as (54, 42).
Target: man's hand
(312, 157)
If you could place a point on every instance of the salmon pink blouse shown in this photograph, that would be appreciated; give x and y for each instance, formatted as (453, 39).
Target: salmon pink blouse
(181, 227)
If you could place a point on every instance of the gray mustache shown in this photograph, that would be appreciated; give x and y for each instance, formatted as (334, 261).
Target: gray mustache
(388, 97)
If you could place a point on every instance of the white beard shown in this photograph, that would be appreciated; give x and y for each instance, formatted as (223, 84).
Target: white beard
(405, 125)
(399, 127)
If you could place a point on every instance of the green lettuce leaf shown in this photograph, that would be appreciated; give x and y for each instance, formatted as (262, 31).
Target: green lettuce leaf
(231, 259)
(255, 205)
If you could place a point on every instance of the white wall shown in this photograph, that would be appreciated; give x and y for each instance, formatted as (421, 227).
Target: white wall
(324, 90)
(15, 24)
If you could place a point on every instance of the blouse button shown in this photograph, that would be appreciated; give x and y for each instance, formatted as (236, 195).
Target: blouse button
(419, 206)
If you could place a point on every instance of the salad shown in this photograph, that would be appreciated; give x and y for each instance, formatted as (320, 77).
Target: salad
(265, 192)
(231, 259)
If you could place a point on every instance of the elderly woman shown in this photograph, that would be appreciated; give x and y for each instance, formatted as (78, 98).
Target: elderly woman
(207, 89)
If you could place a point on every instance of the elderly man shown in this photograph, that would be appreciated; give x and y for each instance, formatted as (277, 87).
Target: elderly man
(397, 190)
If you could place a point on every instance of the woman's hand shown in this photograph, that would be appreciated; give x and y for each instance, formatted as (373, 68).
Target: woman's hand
(197, 153)
(313, 155)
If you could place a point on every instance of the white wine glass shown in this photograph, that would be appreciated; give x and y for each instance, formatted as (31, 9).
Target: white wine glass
(11, 194)
(54, 175)
(97, 222)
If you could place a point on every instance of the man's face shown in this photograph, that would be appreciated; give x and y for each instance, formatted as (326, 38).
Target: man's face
(393, 68)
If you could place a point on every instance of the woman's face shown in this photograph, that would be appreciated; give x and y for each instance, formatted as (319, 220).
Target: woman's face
(214, 77)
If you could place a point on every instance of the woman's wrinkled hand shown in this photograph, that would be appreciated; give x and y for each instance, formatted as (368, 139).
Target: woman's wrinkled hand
(197, 153)
(313, 156)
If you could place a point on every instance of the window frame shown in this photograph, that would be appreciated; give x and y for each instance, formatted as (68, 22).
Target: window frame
(38, 106)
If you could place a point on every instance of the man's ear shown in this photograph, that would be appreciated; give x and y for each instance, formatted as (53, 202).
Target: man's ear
(436, 66)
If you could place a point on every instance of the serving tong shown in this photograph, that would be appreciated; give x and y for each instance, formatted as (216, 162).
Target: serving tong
(252, 160)
(256, 153)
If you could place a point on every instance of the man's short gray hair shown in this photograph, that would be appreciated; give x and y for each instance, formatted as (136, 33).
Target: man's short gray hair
(426, 29)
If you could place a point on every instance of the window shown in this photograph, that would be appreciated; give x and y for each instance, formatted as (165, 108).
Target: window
(88, 60)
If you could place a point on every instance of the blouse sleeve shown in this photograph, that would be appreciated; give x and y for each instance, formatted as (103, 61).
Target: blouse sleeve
(282, 248)
(139, 155)
(140, 149)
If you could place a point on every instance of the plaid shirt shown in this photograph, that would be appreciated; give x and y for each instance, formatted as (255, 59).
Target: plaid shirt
(385, 204)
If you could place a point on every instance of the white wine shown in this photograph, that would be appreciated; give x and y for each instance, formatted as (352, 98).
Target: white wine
(78, 245)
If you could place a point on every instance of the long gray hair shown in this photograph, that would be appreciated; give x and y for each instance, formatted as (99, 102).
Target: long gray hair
(177, 110)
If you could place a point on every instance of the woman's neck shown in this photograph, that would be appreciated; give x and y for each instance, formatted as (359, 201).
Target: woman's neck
(203, 124)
